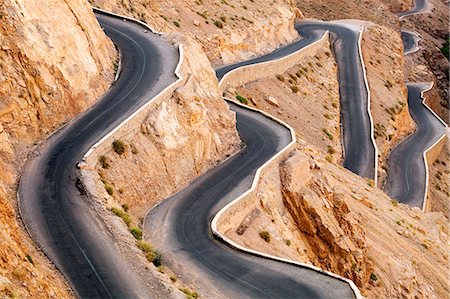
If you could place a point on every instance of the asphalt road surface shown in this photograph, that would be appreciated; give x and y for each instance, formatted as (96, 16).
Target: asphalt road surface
(52, 208)
(62, 222)
(420, 6)
(406, 167)
(180, 228)
(359, 151)
(410, 42)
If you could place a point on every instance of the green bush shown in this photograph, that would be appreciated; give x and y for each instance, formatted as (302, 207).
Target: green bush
(151, 254)
(294, 88)
(119, 146)
(122, 214)
(280, 77)
(30, 259)
(109, 189)
(373, 276)
(136, 232)
(190, 294)
(242, 99)
(176, 23)
(218, 24)
(103, 162)
(330, 136)
(265, 235)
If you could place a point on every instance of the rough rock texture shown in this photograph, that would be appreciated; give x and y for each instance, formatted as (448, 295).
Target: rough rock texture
(383, 57)
(179, 140)
(228, 30)
(319, 213)
(377, 11)
(439, 179)
(430, 64)
(54, 62)
(311, 109)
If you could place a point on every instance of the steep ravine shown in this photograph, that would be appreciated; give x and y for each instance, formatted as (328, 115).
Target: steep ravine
(55, 62)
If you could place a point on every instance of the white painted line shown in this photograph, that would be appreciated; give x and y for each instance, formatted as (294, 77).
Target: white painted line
(257, 176)
(424, 155)
(252, 189)
(258, 171)
(177, 73)
(366, 83)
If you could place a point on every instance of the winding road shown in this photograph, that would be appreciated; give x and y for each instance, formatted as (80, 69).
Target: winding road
(54, 211)
(62, 221)
(420, 6)
(407, 172)
(410, 41)
(180, 228)
(406, 166)
(359, 150)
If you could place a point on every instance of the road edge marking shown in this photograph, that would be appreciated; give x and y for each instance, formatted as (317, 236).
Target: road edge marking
(425, 152)
(366, 84)
(255, 183)
(140, 109)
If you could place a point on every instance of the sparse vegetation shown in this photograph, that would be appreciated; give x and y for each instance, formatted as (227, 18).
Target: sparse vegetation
(388, 84)
(173, 278)
(218, 24)
(176, 23)
(331, 150)
(265, 235)
(371, 183)
(190, 294)
(125, 207)
(288, 242)
(330, 136)
(119, 146)
(134, 149)
(373, 277)
(242, 99)
(280, 77)
(104, 163)
(122, 214)
(109, 189)
(394, 202)
(30, 259)
(294, 88)
(151, 254)
(136, 232)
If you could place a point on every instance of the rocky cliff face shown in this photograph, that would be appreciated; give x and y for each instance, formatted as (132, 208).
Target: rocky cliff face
(179, 140)
(227, 30)
(316, 212)
(54, 62)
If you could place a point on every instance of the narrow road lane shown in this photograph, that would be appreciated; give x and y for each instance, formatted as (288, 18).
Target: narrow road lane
(57, 216)
(359, 156)
(406, 166)
(180, 228)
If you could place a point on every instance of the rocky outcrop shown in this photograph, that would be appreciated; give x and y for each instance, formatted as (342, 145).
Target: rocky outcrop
(179, 139)
(55, 61)
(228, 30)
(317, 212)
(332, 234)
